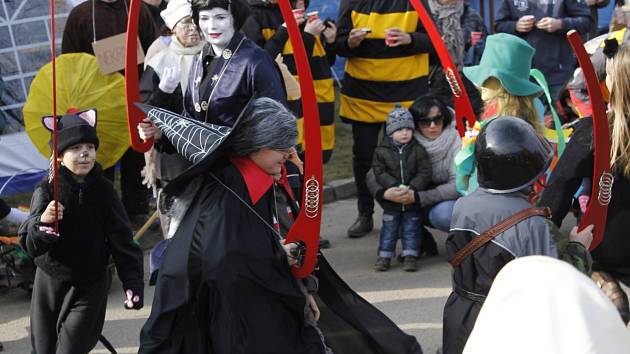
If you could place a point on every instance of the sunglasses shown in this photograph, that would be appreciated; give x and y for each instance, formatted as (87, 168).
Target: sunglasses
(426, 121)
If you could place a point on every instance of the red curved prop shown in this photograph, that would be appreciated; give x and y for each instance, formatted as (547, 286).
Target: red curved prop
(463, 107)
(53, 161)
(132, 81)
(307, 226)
(597, 210)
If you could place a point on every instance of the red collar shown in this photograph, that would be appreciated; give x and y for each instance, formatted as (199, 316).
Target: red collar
(258, 181)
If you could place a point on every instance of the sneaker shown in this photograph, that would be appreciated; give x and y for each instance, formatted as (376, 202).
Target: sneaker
(361, 226)
(382, 264)
(410, 264)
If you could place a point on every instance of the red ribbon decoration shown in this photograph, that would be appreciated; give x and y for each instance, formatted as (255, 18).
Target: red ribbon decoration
(132, 81)
(307, 226)
(463, 107)
(597, 210)
(53, 54)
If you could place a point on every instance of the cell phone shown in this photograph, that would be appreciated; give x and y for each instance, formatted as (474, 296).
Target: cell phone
(328, 22)
(366, 30)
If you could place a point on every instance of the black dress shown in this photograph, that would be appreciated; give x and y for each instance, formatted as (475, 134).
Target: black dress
(225, 285)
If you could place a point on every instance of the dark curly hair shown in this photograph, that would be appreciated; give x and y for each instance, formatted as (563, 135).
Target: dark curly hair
(238, 8)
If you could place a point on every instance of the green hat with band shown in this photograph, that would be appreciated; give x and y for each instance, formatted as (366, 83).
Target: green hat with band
(509, 59)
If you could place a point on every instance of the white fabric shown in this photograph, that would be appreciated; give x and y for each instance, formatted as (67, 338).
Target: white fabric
(175, 55)
(16, 216)
(18, 155)
(542, 305)
(170, 79)
(175, 11)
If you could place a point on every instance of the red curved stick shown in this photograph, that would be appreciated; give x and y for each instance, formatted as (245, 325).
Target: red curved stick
(53, 54)
(306, 227)
(463, 107)
(597, 210)
(132, 81)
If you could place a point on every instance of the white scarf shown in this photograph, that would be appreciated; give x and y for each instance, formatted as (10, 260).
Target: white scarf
(176, 55)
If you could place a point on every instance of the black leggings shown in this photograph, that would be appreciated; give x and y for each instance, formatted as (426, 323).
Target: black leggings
(365, 141)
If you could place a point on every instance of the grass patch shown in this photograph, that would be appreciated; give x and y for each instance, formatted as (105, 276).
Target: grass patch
(340, 164)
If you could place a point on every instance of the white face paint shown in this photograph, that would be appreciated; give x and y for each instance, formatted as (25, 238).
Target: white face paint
(217, 26)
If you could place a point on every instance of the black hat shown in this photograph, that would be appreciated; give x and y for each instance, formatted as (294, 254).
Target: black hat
(74, 128)
(510, 155)
(197, 141)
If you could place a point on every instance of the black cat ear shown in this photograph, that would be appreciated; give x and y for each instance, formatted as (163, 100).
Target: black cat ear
(611, 46)
(48, 122)
(89, 116)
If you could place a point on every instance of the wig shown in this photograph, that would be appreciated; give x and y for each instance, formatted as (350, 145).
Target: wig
(265, 124)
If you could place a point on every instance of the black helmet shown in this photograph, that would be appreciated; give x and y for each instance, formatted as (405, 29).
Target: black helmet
(510, 155)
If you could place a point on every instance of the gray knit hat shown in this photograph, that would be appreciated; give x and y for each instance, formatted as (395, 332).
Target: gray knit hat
(397, 119)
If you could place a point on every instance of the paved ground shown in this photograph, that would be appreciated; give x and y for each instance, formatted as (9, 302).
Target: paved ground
(413, 300)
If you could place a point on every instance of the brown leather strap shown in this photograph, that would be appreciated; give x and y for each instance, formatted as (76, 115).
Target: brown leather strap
(494, 231)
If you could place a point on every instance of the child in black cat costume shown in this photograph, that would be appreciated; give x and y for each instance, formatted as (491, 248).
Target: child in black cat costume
(71, 282)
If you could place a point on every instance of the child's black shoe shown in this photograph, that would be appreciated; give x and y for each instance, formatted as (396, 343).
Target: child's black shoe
(410, 264)
(382, 264)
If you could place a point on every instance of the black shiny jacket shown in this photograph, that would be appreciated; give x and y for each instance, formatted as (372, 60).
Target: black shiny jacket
(231, 80)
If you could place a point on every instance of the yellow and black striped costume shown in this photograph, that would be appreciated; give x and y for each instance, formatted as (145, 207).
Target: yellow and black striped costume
(269, 33)
(377, 76)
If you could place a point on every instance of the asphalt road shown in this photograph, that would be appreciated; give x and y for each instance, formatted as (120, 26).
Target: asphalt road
(414, 301)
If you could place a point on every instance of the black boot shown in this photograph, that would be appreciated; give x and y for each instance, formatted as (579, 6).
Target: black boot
(428, 244)
(361, 226)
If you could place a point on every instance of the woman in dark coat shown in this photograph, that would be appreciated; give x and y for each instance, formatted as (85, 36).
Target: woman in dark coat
(225, 74)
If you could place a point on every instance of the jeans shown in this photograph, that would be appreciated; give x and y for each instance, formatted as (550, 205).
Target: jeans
(392, 221)
(440, 215)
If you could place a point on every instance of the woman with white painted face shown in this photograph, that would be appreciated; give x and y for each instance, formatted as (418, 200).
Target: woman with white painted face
(231, 68)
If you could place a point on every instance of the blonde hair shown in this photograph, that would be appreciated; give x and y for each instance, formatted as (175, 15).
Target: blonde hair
(518, 106)
(511, 105)
(620, 103)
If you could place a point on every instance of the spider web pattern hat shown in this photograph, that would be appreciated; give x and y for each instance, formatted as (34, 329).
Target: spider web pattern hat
(196, 141)
(192, 139)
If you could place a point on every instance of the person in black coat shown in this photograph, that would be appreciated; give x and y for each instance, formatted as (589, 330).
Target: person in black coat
(71, 282)
(225, 284)
(400, 161)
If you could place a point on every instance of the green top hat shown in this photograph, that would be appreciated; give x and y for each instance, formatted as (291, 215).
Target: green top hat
(509, 59)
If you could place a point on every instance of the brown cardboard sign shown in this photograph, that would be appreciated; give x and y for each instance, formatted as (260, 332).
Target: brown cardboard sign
(110, 53)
